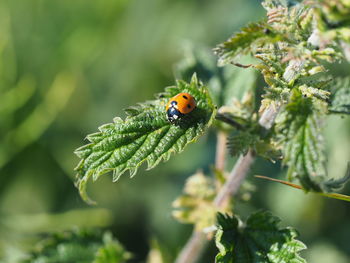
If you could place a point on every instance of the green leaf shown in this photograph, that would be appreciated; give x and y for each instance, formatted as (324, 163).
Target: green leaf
(195, 206)
(240, 141)
(111, 252)
(79, 246)
(242, 42)
(239, 114)
(299, 128)
(259, 240)
(299, 133)
(144, 136)
(340, 99)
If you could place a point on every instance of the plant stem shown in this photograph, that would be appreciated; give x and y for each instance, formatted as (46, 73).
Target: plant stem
(220, 156)
(193, 248)
(234, 180)
(346, 49)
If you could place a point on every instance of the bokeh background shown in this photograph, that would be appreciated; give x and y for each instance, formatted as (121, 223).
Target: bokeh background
(67, 67)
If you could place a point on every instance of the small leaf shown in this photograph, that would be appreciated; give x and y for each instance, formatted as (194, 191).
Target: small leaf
(239, 114)
(239, 83)
(259, 240)
(111, 252)
(195, 206)
(79, 246)
(240, 142)
(144, 136)
(241, 43)
(340, 99)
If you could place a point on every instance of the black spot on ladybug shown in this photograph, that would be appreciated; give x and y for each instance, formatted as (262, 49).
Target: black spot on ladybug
(189, 106)
(185, 97)
(173, 103)
(267, 31)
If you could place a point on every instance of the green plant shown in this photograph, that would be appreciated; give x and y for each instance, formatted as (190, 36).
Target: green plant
(78, 246)
(292, 49)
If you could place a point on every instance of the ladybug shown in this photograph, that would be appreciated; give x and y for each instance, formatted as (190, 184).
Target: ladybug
(180, 105)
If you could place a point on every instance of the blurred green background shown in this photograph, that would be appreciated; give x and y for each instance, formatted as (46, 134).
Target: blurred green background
(67, 67)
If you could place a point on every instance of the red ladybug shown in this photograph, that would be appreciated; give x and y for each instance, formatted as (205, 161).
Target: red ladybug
(180, 105)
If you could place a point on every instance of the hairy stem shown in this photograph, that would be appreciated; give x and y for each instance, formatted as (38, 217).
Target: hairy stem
(346, 49)
(198, 240)
(193, 248)
(235, 179)
(220, 156)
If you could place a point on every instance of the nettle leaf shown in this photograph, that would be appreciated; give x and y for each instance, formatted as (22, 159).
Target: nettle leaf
(196, 206)
(241, 43)
(299, 128)
(240, 142)
(111, 252)
(144, 136)
(79, 246)
(299, 133)
(340, 99)
(259, 240)
(239, 114)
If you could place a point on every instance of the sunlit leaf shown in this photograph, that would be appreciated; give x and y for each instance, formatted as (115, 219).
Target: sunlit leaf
(144, 136)
(241, 43)
(258, 240)
(299, 129)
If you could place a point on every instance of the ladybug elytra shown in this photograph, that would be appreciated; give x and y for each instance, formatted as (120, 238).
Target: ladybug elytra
(180, 105)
